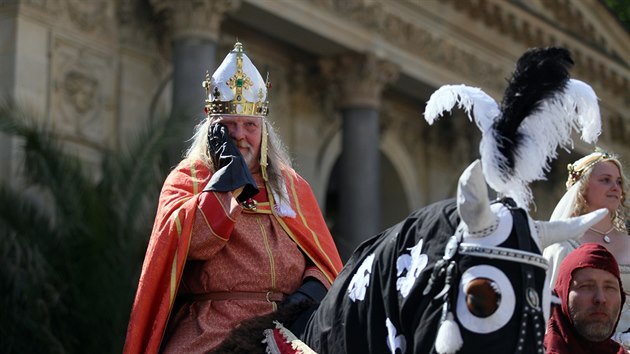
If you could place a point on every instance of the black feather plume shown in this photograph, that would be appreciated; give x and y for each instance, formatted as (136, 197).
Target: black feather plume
(540, 74)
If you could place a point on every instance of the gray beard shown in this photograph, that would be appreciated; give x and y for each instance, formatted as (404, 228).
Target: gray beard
(594, 332)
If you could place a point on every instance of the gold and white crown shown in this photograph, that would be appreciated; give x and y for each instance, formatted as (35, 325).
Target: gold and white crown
(236, 87)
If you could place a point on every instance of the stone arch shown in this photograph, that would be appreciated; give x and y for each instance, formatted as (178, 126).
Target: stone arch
(405, 167)
(399, 182)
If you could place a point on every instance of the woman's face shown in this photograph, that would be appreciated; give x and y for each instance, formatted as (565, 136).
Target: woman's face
(605, 187)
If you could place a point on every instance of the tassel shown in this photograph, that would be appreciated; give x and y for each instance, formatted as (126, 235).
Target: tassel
(263, 151)
(449, 338)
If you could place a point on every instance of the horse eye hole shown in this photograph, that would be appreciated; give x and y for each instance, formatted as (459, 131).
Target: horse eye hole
(483, 297)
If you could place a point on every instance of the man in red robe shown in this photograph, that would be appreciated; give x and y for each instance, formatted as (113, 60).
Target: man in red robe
(589, 287)
(237, 230)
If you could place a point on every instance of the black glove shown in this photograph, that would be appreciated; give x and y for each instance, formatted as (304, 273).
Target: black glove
(231, 171)
(311, 290)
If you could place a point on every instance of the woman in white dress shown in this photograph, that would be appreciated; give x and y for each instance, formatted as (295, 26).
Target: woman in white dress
(596, 181)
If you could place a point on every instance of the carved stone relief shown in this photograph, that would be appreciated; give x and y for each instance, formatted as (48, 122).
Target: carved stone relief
(48, 8)
(81, 96)
(193, 17)
(89, 15)
(360, 78)
(136, 27)
(80, 90)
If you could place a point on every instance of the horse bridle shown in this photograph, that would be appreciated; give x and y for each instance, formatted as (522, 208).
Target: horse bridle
(532, 311)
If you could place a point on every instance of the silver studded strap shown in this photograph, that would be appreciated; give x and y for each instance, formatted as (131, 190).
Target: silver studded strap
(505, 254)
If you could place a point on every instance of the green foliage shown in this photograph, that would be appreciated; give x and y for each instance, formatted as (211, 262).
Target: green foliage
(71, 244)
(621, 8)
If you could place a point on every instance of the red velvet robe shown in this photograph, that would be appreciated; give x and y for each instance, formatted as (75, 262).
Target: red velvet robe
(179, 203)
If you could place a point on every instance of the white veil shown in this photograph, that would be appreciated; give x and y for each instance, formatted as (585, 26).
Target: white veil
(566, 205)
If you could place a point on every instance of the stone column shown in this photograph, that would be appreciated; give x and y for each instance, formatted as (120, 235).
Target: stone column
(193, 27)
(359, 81)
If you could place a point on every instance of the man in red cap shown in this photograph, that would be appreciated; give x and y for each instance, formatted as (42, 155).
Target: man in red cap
(591, 293)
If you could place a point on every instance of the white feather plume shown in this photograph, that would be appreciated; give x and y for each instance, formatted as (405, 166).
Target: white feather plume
(543, 132)
(476, 103)
(583, 99)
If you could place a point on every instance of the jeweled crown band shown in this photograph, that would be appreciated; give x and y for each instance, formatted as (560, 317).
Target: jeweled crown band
(577, 169)
(243, 108)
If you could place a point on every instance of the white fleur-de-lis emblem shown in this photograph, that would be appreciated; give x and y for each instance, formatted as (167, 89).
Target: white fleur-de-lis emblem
(408, 267)
(361, 280)
(395, 341)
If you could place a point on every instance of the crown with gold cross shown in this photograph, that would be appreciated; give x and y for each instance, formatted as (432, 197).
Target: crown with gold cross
(236, 87)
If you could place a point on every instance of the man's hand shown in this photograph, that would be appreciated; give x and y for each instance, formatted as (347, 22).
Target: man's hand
(231, 172)
(311, 290)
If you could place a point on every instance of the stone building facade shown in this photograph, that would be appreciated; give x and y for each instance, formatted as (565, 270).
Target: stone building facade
(350, 79)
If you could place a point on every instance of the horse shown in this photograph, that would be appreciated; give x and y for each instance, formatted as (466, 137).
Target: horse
(463, 274)
(453, 277)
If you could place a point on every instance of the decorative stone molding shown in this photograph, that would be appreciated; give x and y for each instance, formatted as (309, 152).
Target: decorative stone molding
(443, 52)
(617, 128)
(137, 27)
(368, 13)
(43, 4)
(311, 93)
(505, 18)
(568, 17)
(193, 18)
(421, 42)
(41, 11)
(90, 15)
(358, 79)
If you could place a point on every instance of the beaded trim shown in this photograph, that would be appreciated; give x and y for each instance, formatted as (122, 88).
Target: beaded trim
(539, 329)
(483, 232)
(502, 253)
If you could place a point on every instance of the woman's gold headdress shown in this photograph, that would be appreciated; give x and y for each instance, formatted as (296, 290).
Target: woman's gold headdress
(581, 166)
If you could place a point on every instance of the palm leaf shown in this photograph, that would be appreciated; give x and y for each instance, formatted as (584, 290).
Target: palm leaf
(72, 244)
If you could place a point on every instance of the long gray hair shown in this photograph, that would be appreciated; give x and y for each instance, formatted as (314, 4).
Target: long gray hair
(278, 158)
